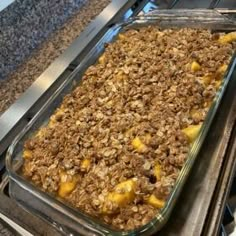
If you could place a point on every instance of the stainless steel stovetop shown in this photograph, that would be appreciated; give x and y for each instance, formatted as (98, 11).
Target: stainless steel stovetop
(202, 204)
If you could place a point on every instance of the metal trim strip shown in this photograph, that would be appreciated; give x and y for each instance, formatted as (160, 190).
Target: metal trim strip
(5, 3)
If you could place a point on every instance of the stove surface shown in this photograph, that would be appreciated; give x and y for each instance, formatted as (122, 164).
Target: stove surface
(22, 222)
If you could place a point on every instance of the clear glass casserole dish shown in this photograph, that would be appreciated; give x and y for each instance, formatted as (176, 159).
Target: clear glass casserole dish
(72, 221)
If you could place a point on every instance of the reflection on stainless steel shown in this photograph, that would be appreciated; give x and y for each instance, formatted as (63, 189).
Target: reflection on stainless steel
(226, 11)
(13, 225)
(223, 188)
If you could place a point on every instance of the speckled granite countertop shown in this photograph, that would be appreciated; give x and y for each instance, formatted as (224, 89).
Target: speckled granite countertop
(32, 34)
(27, 23)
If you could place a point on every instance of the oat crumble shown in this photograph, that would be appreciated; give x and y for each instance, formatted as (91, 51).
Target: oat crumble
(115, 146)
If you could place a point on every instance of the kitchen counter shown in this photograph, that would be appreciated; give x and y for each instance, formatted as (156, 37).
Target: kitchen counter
(33, 34)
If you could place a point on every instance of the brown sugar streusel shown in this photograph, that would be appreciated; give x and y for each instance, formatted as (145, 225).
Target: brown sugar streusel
(116, 145)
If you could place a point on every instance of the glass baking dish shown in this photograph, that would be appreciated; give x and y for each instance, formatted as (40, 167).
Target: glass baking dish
(72, 221)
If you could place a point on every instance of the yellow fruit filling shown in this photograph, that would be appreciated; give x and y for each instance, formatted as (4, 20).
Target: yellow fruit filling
(192, 132)
(123, 194)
